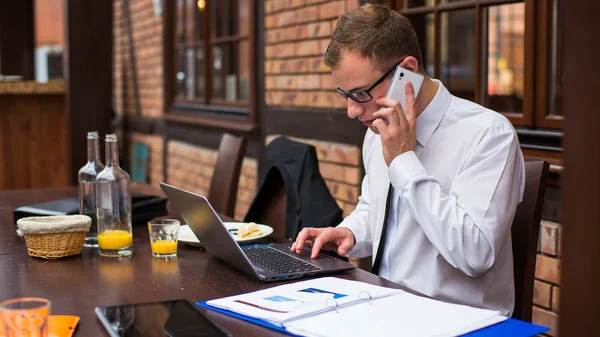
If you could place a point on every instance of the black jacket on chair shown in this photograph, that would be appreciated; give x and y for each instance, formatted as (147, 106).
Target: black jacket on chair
(309, 203)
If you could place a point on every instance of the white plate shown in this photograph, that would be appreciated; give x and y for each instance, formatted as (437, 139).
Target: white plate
(187, 236)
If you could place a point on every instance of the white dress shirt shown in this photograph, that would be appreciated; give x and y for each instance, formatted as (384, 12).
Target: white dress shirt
(453, 202)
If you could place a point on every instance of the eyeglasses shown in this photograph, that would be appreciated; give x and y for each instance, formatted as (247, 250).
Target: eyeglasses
(364, 95)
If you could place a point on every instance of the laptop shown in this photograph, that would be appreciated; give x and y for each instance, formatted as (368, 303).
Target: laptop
(273, 262)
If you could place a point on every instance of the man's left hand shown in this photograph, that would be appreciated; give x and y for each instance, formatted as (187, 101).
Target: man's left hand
(399, 135)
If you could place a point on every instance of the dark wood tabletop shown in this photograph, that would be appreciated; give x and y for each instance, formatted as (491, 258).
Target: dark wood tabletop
(77, 285)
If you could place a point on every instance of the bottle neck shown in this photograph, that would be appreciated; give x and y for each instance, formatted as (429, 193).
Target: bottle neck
(93, 150)
(112, 153)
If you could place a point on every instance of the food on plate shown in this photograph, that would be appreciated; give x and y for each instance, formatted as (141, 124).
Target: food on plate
(248, 230)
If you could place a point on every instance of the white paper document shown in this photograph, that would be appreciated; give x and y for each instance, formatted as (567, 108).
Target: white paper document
(292, 301)
(331, 306)
(402, 314)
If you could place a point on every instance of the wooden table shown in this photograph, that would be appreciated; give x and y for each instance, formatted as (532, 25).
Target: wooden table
(77, 285)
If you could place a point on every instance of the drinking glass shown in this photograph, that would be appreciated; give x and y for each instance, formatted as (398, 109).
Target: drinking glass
(163, 237)
(25, 317)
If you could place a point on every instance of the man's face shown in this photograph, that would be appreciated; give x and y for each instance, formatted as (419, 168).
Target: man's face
(354, 73)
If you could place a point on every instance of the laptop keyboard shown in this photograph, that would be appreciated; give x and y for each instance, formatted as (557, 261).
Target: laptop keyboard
(275, 261)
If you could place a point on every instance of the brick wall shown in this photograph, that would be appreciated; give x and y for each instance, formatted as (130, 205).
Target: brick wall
(155, 160)
(296, 36)
(192, 167)
(546, 296)
(146, 29)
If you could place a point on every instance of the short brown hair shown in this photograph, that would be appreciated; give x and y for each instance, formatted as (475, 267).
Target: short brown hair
(377, 33)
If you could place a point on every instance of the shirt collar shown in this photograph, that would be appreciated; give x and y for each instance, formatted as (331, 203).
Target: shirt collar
(430, 118)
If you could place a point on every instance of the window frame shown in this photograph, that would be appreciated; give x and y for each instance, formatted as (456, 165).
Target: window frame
(537, 58)
(239, 116)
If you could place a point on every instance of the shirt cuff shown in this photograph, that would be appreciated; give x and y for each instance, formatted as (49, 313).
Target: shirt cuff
(403, 168)
(360, 236)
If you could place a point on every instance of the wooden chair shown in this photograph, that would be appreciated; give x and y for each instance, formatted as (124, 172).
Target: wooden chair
(224, 184)
(525, 232)
(273, 208)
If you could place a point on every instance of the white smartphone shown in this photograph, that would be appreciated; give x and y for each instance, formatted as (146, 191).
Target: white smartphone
(397, 89)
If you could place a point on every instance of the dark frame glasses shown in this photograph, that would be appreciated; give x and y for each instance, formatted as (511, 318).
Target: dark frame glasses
(364, 95)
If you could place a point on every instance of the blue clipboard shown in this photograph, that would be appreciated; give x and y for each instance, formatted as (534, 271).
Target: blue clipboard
(511, 327)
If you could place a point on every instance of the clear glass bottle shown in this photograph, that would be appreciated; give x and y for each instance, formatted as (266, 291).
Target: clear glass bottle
(115, 237)
(87, 186)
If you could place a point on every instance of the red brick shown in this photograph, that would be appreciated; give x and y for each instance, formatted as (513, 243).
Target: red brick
(353, 175)
(272, 98)
(546, 318)
(269, 52)
(549, 237)
(296, 3)
(270, 21)
(332, 9)
(285, 18)
(331, 171)
(281, 5)
(308, 82)
(272, 36)
(270, 82)
(319, 29)
(245, 196)
(317, 64)
(337, 153)
(270, 67)
(293, 98)
(547, 269)
(329, 100)
(294, 33)
(306, 48)
(556, 298)
(293, 66)
(542, 293)
(286, 82)
(352, 4)
(270, 6)
(249, 167)
(323, 44)
(307, 14)
(280, 50)
(348, 208)
(328, 82)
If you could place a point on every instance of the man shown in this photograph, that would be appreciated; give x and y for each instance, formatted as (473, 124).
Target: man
(453, 169)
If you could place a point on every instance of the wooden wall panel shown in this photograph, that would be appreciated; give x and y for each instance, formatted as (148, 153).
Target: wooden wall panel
(33, 141)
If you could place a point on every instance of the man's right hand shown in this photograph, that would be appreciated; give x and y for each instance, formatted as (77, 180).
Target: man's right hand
(331, 238)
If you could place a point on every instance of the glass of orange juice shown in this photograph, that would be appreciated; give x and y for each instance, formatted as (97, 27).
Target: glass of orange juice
(27, 316)
(117, 242)
(163, 237)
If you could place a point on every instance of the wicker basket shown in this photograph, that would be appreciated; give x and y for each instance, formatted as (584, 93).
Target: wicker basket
(54, 246)
(53, 237)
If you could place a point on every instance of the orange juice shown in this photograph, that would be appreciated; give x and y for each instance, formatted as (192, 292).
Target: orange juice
(163, 247)
(114, 239)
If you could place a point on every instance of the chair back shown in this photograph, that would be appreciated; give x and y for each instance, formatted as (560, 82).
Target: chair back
(272, 208)
(525, 233)
(224, 184)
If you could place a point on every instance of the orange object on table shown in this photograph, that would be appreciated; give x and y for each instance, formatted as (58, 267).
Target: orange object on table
(58, 326)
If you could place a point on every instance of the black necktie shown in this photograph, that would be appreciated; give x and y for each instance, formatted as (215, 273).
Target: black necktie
(377, 264)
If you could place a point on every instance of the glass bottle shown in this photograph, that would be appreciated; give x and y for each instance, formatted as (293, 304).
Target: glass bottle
(87, 186)
(115, 237)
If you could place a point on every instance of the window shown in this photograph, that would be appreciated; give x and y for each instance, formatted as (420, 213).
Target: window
(213, 55)
(503, 54)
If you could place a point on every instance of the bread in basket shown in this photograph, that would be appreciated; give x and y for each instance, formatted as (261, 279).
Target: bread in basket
(52, 237)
